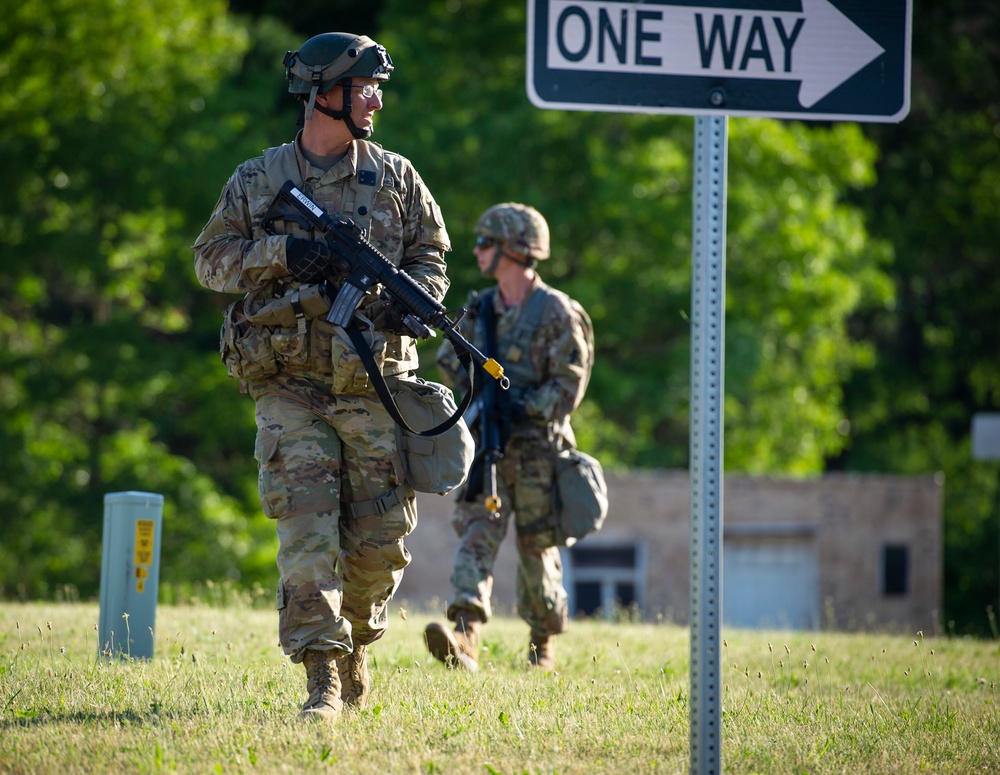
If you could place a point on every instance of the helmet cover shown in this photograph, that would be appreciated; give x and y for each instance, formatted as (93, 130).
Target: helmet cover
(521, 228)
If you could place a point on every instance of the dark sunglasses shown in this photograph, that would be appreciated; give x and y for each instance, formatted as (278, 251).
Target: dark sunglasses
(485, 242)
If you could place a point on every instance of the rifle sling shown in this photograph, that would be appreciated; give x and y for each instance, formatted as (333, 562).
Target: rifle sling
(384, 394)
(491, 399)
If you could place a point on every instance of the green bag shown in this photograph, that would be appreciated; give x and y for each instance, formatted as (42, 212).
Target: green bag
(436, 464)
(580, 496)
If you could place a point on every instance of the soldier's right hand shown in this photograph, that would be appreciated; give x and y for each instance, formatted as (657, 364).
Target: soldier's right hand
(309, 261)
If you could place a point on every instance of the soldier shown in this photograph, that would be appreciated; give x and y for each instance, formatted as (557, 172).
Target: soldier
(329, 470)
(544, 341)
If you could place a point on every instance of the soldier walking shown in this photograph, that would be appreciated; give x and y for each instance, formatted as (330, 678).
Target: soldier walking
(544, 341)
(330, 473)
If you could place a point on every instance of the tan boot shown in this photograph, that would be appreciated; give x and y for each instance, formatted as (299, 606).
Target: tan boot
(355, 682)
(542, 651)
(324, 701)
(459, 648)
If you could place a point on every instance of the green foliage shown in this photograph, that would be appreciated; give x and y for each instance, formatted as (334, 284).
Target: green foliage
(938, 353)
(616, 190)
(312, 17)
(119, 124)
(106, 131)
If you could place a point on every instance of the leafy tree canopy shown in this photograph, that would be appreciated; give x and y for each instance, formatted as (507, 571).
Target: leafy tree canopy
(616, 190)
(104, 121)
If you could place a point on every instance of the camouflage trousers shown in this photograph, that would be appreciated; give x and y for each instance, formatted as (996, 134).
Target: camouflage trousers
(525, 478)
(320, 456)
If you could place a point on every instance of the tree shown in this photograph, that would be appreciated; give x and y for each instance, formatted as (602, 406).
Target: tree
(104, 125)
(312, 17)
(616, 191)
(937, 350)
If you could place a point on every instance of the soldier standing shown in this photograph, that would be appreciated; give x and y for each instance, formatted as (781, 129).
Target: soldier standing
(330, 473)
(544, 341)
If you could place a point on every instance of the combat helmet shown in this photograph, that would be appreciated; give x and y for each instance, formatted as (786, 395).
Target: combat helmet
(521, 228)
(330, 58)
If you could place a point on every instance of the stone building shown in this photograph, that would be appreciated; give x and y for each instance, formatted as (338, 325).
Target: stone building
(841, 551)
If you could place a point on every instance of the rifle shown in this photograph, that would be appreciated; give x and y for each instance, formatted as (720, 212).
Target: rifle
(492, 445)
(369, 267)
(493, 416)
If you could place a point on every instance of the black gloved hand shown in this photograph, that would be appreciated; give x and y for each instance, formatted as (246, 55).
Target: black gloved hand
(309, 261)
(390, 319)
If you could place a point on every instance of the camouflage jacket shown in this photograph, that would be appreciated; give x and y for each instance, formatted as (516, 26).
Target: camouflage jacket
(234, 254)
(549, 367)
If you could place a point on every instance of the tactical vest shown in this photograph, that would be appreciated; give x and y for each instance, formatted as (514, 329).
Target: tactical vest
(281, 164)
(514, 344)
(288, 329)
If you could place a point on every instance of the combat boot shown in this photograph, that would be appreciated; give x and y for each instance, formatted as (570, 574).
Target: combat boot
(355, 683)
(542, 651)
(459, 648)
(324, 701)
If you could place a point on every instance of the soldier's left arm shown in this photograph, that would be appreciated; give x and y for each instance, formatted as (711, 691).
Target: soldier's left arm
(567, 367)
(425, 238)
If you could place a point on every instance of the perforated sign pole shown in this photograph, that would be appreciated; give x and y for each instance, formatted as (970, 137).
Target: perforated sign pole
(130, 574)
(824, 60)
(708, 307)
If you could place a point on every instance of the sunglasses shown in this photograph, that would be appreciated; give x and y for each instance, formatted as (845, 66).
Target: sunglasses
(368, 91)
(486, 242)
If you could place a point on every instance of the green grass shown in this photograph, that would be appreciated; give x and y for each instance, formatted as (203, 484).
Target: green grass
(220, 697)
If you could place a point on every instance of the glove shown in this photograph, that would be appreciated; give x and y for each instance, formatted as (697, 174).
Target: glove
(390, 319)
(309, 261)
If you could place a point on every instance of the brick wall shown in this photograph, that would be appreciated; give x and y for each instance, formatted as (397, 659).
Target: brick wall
(848, 519)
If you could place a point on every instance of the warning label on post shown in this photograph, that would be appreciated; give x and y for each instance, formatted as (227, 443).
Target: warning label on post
(144, 532)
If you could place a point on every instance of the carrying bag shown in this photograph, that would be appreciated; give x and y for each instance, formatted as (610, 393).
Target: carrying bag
(439, 463)
(580, 496)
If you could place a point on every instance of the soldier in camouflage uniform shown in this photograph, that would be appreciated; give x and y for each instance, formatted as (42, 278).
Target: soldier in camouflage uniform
(544, 342)
(330, 473)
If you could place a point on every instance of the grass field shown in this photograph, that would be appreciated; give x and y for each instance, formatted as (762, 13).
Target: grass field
(219, 697)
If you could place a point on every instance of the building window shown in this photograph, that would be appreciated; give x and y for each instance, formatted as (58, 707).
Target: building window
(895, 569)
(603, 578)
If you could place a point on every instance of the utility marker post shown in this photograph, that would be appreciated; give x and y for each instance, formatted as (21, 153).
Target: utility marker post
(708, 315)
(986, 446)
(130, 574)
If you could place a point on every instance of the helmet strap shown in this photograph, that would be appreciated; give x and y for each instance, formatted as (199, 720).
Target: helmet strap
(340, 115)
(499, 253)
(527, 261)
(308, 110)
(317, 81)
(490, 271)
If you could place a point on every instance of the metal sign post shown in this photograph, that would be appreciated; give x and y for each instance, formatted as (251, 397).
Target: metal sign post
(830, 60)
(708, 315)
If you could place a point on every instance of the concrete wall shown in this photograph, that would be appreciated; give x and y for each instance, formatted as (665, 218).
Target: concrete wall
(847, 519)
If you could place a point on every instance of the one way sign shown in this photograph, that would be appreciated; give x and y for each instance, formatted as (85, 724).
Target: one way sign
(846, 60)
